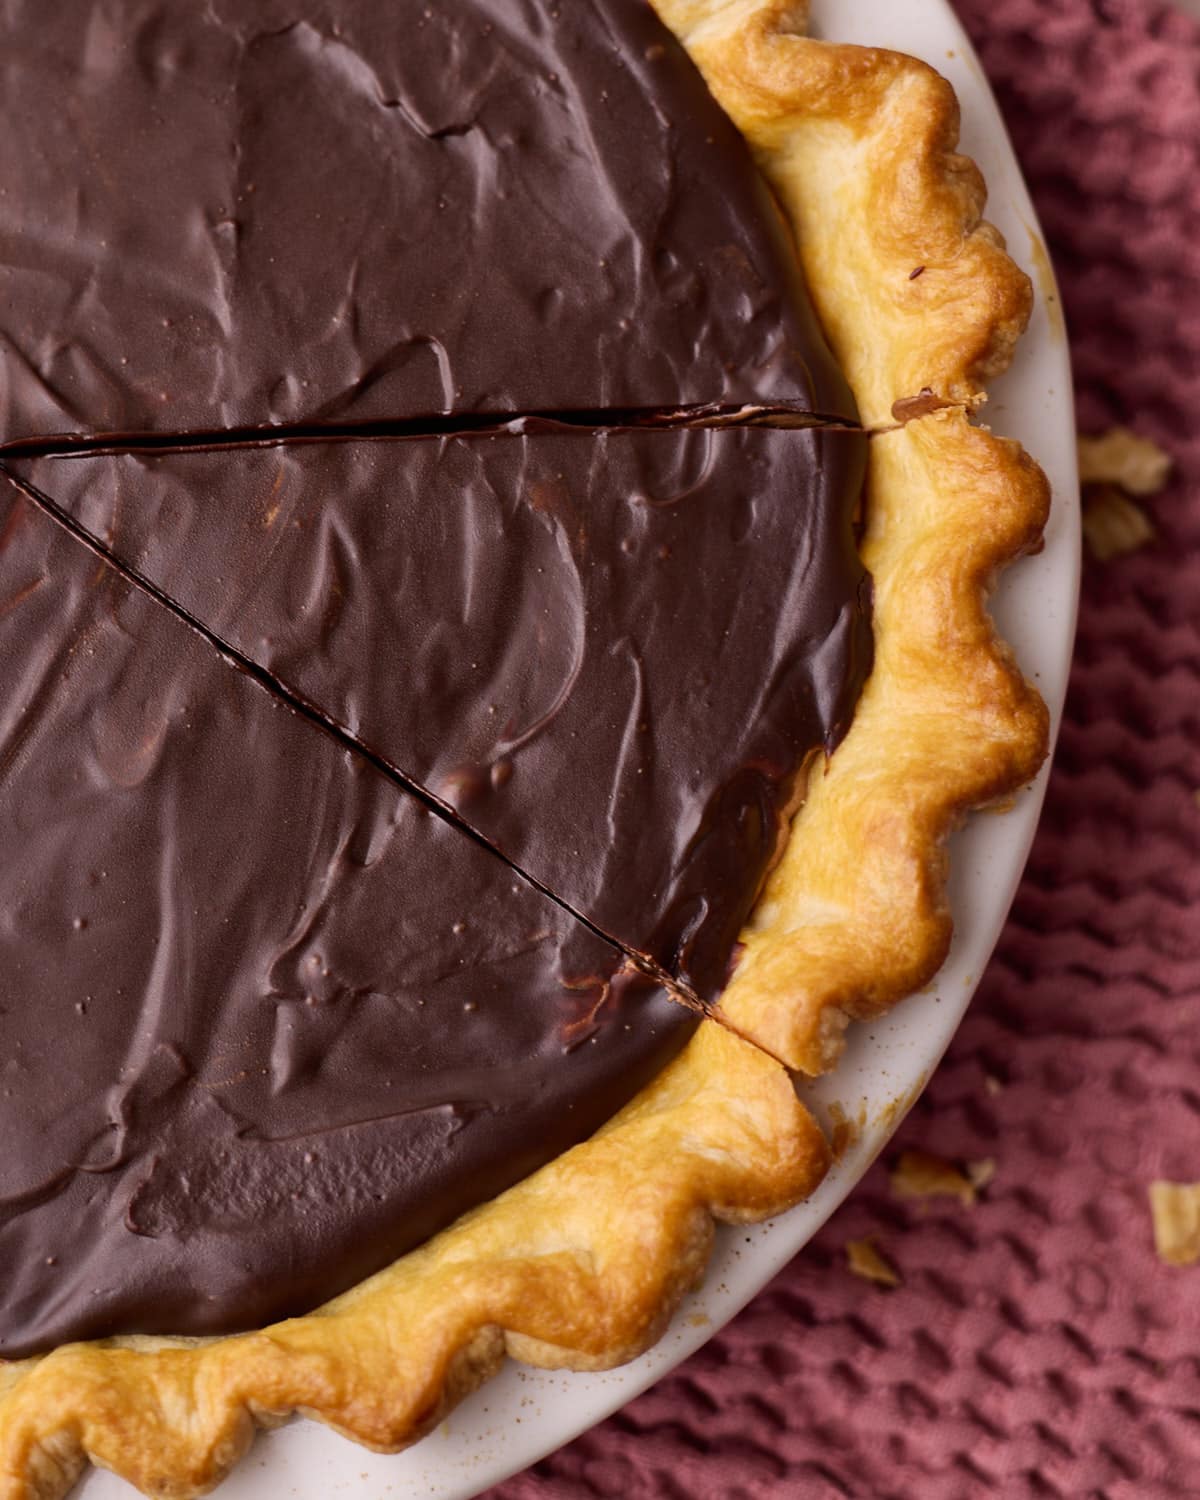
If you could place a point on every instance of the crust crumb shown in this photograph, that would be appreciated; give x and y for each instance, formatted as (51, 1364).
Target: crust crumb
(921, 1174)
(909, 408)
(1175, 1210)
(1113, 468)
(1113, 524)
(1121, 457)
(845, 1132)
(993, 1084)
(981, 1172)
(867, 1261)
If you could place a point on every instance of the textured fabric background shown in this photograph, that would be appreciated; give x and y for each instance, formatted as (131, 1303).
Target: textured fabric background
(1036, 1347)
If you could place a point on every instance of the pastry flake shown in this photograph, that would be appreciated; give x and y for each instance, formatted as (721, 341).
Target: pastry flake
(1175, 1212)
(1114, 524)
(866, 1260)
(922, 1174)
(1120, 457)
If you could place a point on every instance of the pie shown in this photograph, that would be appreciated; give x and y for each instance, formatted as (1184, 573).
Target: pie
(492, 641)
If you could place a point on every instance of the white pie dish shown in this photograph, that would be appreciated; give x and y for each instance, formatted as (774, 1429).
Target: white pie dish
(524, 1414)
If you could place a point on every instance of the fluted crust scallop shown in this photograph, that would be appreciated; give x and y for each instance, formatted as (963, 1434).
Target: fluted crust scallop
(860, 147)
(854, 916)
(859, 144)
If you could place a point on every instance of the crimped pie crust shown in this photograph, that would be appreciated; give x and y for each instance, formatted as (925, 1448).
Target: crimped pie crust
(581, 1265)
(859, 145)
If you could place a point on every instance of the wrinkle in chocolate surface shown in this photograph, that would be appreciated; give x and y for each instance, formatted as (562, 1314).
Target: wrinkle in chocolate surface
(227, 215)
(267, 1023)
(611, 654)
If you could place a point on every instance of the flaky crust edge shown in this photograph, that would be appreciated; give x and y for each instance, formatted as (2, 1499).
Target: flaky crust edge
(855, 917)
(859, 145)
(582, 1265)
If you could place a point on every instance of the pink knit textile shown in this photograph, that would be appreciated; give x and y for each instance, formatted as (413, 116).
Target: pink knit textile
(1037, 1347)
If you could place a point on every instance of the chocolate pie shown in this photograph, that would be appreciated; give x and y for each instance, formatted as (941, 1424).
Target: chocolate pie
(493, 548)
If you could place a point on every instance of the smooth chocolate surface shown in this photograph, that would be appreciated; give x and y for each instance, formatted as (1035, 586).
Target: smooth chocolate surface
(229, 214)
(611, 654)
(264, 1022)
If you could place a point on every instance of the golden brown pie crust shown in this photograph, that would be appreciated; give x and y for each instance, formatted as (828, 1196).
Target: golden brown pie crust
(581, 1265)
(859, 145)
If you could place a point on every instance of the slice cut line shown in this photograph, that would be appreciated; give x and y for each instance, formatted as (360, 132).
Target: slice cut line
(604, 420)
(516, 629)
(268, 1024)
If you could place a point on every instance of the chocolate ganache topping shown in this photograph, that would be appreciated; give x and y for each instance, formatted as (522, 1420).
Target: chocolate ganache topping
(610, 653)
(232, 214)
(267, 1022)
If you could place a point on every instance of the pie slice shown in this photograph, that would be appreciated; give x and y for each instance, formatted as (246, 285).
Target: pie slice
(322, 210)
(542, 632)
(269, 1023)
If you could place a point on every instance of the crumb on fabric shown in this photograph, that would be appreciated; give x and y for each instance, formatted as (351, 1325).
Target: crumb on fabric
(1120, 457)
(1114, 468)
(921, 1174)
(1113, 524)
(981, 1173)
(867, 1261)
(1175, 1211)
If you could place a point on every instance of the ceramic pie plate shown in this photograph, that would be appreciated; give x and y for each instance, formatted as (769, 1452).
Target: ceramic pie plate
(524, 1414)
